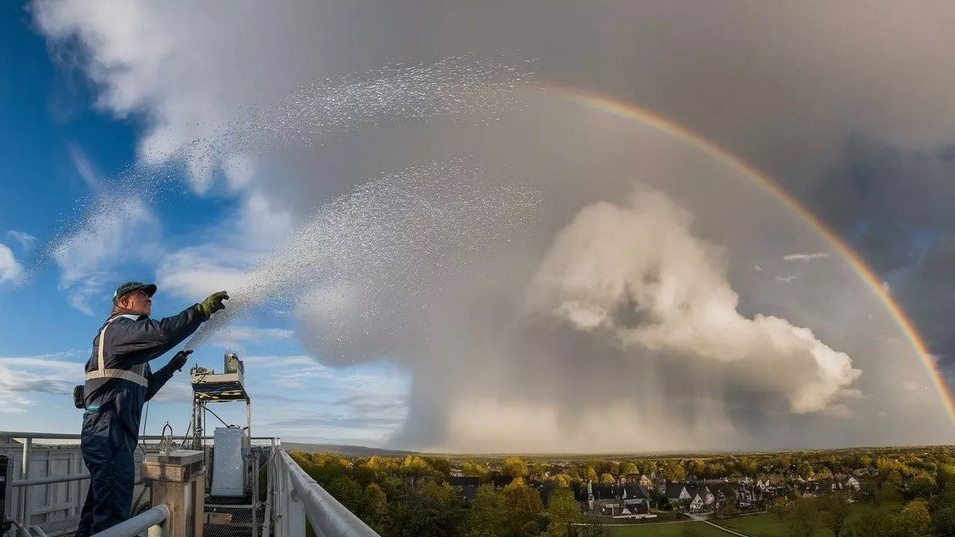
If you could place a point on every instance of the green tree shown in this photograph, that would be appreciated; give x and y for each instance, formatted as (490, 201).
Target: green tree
(835, 512)
(347, 491)
(875, 522)
(922, 486)
(607, 479)
(914, 520)
(562, 511)
(439, 464)
(375, 508)
(802, 519)
(943, 522)
(430, 511)
(486, 517)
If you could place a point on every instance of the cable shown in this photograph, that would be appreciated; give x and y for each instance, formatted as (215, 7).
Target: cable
(22, 529)
(142, 441)
(216, 415)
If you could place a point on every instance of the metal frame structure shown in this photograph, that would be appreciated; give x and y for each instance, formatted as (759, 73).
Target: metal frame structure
(211, 387)
(293, 499)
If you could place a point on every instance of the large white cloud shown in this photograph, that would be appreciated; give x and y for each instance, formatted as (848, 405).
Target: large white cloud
(638, 272)
(10, 269)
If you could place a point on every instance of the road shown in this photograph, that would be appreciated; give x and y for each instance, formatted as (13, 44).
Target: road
(701, 518)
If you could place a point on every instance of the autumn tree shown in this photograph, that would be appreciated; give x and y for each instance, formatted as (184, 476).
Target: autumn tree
(522, 505)
(514, 467)
(473, 469)
(628, 468)
(914, 520)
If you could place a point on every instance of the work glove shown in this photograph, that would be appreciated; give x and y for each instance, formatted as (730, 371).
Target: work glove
(212, 304)
(179, 359)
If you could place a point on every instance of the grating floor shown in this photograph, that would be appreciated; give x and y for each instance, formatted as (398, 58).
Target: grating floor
(240, 524)
(58, 528)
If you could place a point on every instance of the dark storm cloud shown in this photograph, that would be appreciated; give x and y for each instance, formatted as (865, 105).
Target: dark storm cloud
(894, 206)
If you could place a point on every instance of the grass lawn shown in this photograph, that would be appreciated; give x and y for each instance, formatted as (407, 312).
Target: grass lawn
(769, 525)
(664, 530)
(763, 525)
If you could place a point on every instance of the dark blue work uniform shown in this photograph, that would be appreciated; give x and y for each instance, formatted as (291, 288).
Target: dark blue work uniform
(118, 383)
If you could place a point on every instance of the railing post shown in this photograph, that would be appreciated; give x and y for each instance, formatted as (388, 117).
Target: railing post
(295, 510)
(25, 474)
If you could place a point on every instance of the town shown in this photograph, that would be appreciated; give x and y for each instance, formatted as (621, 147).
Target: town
(861, 492)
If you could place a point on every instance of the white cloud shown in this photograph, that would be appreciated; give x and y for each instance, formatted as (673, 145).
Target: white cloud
(789, 278)
(117, 230)
(638, 273)
(27, 241)
(805, 257)
(196, 271)
(758, 268)
(21, 376)
(10, 269)
(234, 337)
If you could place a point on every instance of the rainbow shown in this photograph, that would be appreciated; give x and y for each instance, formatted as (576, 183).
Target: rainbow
(630, 111)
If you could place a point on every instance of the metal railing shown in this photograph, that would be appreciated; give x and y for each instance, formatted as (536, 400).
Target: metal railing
(25, 510)
(153, 520)
(297, 496)
(292, 498)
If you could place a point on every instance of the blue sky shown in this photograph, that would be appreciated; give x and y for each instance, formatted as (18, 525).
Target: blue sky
(429, 247)
(57, 145)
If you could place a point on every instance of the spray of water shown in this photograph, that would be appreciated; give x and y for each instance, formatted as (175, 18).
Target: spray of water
(397, 234)
(456, 88)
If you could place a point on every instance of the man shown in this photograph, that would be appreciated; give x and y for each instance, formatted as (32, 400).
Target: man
(118, 383)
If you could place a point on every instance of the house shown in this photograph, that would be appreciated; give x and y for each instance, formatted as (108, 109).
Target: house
(852, 483)
(694, 497)
(466, 486)
(630, 500)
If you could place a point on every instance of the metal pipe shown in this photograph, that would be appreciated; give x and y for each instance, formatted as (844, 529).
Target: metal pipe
(74, 436)
(326, 514)
(39, 531)
(24, 474)
(156, 516)
(255, 490)
(48, 480)
(267, 522)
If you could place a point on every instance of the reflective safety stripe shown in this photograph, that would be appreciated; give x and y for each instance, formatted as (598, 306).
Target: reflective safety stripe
(118, 374)
(102, 373)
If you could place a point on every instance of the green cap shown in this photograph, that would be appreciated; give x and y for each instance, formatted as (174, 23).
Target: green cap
(132, 286)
